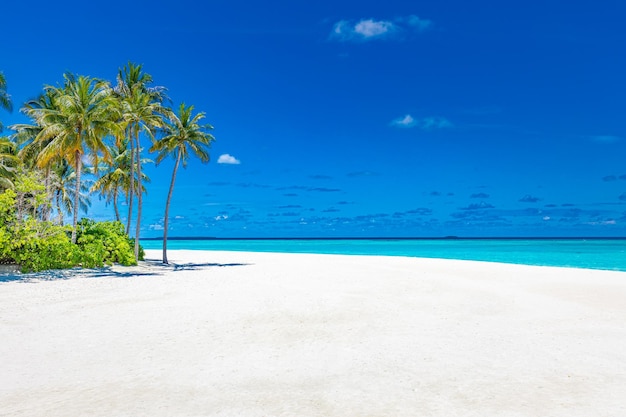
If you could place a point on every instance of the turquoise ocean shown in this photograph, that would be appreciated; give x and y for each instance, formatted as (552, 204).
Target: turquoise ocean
(609, 254)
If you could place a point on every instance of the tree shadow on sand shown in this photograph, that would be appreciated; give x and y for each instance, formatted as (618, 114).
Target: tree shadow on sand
(149, 267)
(191, 266)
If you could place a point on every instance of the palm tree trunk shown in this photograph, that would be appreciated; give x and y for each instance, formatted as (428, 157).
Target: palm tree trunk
(131, 191)
(139, 195)
(117, 211)
(58, 196)
(167, 209)
(47, 208)
(77, 155)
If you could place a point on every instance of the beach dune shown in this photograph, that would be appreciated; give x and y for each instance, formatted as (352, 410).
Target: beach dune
(262, 334)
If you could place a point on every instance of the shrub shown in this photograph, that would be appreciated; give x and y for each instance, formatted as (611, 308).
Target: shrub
(104, 243)
(37, 251)
(38, 245)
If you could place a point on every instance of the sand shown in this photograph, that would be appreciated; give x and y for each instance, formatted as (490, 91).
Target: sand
(251, 334)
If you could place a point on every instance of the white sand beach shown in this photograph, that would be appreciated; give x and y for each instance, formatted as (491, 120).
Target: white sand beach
(259, 334)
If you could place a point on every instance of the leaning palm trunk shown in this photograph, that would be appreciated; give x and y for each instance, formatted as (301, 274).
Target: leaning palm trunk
(139, 195)
(47, 208)
(129, 200)
(131, 188)
(59, 211)
(167, 208)
(76, 195)
(117, 211)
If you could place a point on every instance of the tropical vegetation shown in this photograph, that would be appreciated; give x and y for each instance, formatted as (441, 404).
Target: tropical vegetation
(86, 136)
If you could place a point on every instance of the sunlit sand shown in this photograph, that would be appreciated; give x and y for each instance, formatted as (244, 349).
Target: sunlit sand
(252, 334)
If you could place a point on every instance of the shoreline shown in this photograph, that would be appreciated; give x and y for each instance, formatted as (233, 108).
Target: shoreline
(252, 333)
(605, 254)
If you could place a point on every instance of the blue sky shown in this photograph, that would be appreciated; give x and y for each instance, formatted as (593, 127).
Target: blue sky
(352, 118)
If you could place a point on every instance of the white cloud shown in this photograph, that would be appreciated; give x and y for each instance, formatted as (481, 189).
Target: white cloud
(406, 121)
(340, 28)
(363, 30)
(369, 29)
(228, 159)
(426, 123)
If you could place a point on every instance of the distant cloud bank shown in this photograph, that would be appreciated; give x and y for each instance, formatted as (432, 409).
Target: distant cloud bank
(426, 123)
(529, 199)
(370, 29)
(228, 160)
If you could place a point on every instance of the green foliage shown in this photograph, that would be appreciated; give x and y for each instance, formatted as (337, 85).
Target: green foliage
(104, 243)
(7, 217)
(7, 207)
(38, 245)
(31, 197)
(35, 249)
(32, 244)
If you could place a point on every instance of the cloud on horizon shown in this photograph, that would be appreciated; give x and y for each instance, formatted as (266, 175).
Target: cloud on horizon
(480, 206)
(426, 123)
(370, 29)
(529, 199)
(252, 185)
(308, 188)
(228, 160)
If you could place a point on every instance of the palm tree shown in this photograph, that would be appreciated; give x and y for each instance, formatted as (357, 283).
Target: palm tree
(142, 110)
(8, 163)
(116, 179)
(5, 98)
(130, 81)
(63, 190)
(183, 136)
(26, 134)
(112, 181)
(77, 128)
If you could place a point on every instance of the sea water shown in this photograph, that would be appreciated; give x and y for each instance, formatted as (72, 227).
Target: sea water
(607, 254)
